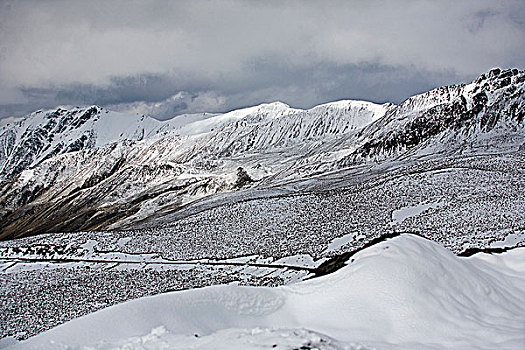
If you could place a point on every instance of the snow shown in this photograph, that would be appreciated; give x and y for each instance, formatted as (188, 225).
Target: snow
(511, 240)
(51, 133)
(301, 260)
(26, 175)
(181, 121)
(122, 241)
(341, 241)
(7, 341)
(110, 127)
(378, 110)
(10, 120)
(408, 212)
(90, 245)
(246, 339)
(215, 122)
(404, 293)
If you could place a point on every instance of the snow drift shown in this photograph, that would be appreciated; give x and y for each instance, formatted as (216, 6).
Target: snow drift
(406, 292)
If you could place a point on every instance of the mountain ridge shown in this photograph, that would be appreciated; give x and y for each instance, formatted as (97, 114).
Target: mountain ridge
(120, 177)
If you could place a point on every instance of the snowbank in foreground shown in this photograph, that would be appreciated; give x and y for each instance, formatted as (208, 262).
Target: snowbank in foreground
(407, 292)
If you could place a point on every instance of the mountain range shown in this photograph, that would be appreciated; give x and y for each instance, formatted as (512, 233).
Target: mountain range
(88, 168)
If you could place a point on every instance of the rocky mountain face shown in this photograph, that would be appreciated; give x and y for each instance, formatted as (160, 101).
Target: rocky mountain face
(452, 118)
(89, 168)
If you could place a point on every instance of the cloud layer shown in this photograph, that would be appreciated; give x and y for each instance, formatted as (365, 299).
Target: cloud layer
(227, 54)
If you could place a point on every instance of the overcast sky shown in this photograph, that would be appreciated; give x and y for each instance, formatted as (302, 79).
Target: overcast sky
(171, 57)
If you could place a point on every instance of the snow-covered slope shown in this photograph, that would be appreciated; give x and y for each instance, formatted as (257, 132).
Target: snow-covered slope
(179, 161)
(125, 168)
(482, 116)
(43, 135)
(286, 127)
(404, 293)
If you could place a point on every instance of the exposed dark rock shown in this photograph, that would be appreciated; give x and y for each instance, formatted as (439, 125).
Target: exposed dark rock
(494, 72)
(242, 178)
(97, 178)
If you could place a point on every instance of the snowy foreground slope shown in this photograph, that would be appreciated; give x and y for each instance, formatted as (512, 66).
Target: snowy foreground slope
(404, 293)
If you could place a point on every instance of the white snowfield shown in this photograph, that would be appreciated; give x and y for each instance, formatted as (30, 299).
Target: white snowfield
(404, 293)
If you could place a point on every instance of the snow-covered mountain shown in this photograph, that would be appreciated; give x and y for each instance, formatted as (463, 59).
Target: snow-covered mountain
(270, 195)
(487, 113)
(90, 168)
(387, 297)
(178, 161)
(46, 134)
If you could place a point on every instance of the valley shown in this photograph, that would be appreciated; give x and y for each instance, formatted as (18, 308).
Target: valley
(262, 196)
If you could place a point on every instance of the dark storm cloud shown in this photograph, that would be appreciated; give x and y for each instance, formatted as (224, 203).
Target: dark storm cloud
(165, 58)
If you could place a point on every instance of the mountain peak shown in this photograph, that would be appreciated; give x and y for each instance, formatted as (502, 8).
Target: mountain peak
(45, 134)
